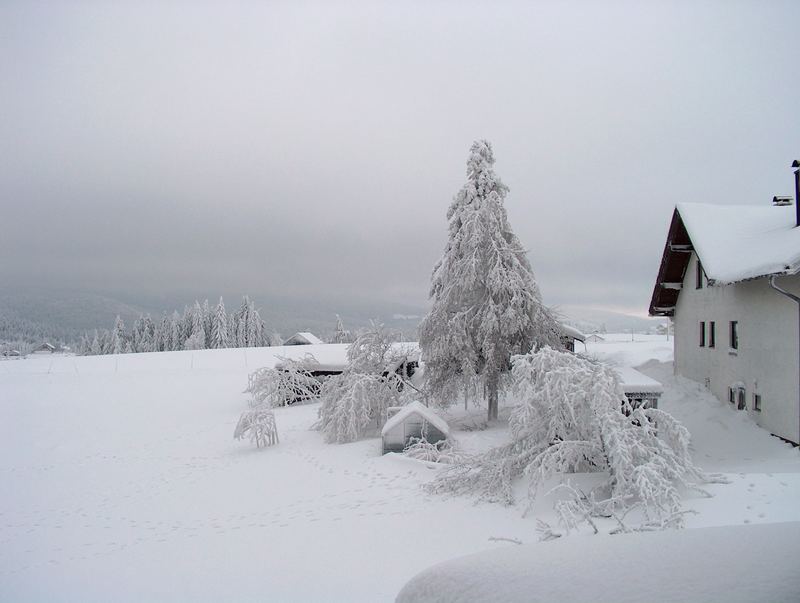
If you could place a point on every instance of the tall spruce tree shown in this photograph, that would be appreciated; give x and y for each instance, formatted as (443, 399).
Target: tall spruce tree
(118, 338)
(219, 327)
(486, 304)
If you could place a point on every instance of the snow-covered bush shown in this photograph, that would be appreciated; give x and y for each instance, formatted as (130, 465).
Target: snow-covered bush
(292, 381)
(367, 387)
(443, 451)
(573, 417)
(257, 424)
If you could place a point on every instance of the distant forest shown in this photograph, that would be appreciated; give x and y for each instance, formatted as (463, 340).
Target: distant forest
(199, 327)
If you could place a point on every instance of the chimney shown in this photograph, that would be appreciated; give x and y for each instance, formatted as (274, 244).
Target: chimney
(796, 165)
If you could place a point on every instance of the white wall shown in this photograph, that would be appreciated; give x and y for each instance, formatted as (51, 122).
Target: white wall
(767, 358)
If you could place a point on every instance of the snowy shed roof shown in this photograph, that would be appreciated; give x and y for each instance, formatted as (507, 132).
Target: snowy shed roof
(420, 409)
(303, 337)
(733, 242)
(573, 333)
(633, 381)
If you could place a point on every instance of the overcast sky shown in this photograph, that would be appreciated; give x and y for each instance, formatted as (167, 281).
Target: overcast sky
(312, 149)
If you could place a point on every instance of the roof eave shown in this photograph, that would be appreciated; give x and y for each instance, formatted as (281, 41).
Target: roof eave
(674, 260)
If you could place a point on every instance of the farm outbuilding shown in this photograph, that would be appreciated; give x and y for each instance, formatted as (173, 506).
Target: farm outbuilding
(569, 335)
(640, 389)
(303, 338)
(415, 420)
(44, 348)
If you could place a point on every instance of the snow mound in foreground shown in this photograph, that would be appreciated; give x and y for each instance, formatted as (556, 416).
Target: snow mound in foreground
(737, 564)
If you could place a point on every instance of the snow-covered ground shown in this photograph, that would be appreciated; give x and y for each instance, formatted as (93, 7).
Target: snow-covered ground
(121, 481)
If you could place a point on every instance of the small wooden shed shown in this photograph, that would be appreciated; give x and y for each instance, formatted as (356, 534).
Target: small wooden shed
(415, 420)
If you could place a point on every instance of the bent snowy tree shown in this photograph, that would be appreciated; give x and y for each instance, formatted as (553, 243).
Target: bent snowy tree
(573, 417)
(486, 304)
(257, 424)
(367, 387)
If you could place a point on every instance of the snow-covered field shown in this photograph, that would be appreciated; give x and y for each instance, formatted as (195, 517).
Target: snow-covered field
(121, 481)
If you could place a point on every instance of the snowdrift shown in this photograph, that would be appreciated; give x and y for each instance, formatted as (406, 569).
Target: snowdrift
(737, 564)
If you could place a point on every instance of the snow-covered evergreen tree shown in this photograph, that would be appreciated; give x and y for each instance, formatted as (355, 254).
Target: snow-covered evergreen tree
(198, 335)
(117, 343)
(94, 347)
(175, 338)
(161, 334)
(341, 335)
(255, 327)
(219, 327)
(208, 317)
(242, 322)
(486, 304)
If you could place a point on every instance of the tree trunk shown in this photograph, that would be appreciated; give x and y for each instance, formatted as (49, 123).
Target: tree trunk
(492, 386)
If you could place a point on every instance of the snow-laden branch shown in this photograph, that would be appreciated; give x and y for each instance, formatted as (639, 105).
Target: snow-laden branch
(572, 417)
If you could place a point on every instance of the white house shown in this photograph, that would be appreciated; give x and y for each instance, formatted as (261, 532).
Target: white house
(736, 332)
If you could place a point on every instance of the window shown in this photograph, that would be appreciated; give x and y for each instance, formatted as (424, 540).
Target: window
(712, 334)
(702, 334)
(734, 335)
(731, 395)
(757, 402)
(698, 284)
(742, 399)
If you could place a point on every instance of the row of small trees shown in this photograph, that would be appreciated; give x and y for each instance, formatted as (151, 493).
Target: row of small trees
(199, 327)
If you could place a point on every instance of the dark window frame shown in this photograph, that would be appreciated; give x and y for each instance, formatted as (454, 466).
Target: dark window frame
(698, 279)
(712, 334)
(741, 399)
(733, 334)
(702, 334)
(756, 402)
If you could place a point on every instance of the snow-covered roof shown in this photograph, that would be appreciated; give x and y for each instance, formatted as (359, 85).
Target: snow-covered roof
(573, 333)
(633, 381)
(739, 242)
(304, 337)
(332, 357)
(420, 409)
(313, 365)
(733, 242)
